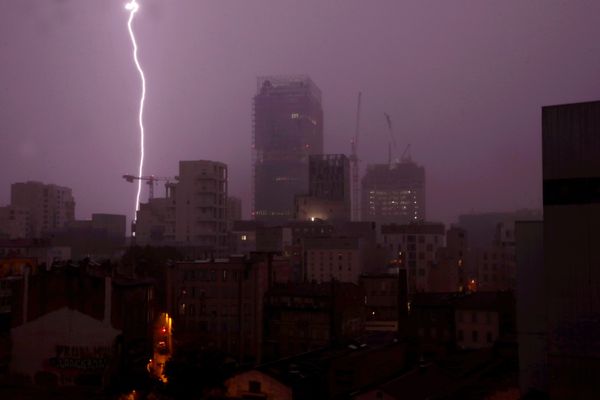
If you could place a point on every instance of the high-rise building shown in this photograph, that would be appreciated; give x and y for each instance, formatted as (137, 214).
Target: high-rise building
(51, 207)
(201, 204)
(393, 193)
(194, 213)
(328, 195)
(288, 128)
(571, 171)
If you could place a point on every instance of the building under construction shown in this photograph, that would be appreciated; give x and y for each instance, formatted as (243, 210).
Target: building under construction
(393, 193)
(288, 128)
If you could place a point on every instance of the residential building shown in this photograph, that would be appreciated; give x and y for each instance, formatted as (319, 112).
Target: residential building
(301, 317)
(288, 128)
(446, 321)
(329, 192)
(15, 222)
(386, 300)
(193, 216)
(450, 272)
(415, 246)
(393, 193)
(571, 173)
(220, 302)
(483, 317)
(201, 205)
(50, 207)
(333, 258)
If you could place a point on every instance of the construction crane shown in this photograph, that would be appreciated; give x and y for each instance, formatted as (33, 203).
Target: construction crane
(150, 180)
(355, 165)
(405, 157)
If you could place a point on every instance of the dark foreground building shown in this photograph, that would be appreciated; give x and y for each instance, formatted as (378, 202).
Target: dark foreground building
(571, 169)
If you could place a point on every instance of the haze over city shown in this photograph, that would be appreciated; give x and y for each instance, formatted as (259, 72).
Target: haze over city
(462, 81)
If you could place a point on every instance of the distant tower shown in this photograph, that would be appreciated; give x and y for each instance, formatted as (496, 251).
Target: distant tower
(393, 193)
(288, 128)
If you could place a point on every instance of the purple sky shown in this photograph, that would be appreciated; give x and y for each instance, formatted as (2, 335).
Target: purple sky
(462, 80)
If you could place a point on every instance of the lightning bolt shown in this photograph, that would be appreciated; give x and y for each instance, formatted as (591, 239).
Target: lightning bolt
(133, 6)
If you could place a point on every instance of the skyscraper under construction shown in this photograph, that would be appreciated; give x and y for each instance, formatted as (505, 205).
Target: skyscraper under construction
(394, 193)
(288, 128)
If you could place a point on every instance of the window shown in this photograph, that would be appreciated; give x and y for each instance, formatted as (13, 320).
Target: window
(244, 237)
(489, 337)
(254, 387)
(475, 336)
(459, 335)
(474, 316)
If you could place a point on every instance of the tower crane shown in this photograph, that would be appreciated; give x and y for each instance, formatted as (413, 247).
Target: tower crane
(405, 157)
(354, 162)
(150, 180)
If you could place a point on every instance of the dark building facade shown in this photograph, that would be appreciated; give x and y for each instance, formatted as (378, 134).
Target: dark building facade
(288, 128)
(328, 197)
(219, 303)
(393, 193)
(301, 317)
(571, 171)
(386, 300)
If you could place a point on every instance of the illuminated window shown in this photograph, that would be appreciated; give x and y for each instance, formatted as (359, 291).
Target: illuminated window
(244, 237)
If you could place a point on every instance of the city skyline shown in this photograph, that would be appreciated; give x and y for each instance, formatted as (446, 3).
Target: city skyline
(471, 70)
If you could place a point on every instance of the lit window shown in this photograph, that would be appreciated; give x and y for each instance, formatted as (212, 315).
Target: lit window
(244, 237)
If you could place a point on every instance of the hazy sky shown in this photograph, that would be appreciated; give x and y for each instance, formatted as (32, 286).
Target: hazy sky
(462, 80)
